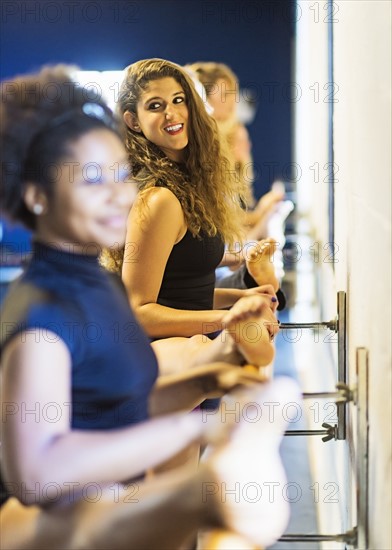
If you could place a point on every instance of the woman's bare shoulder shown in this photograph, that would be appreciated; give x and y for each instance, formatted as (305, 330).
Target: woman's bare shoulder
(158, 199)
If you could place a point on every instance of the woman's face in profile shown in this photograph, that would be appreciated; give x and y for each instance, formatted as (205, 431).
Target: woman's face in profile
(223, 98)
(93, 194)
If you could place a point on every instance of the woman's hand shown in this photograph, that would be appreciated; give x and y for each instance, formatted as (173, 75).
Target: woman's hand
(267, 292)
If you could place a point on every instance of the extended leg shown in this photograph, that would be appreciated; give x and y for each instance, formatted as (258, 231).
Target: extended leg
(160, 514)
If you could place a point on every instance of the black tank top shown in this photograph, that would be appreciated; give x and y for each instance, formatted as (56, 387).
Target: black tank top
(189, 277)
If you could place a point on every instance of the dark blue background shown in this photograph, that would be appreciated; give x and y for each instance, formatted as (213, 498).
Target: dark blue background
(253, 37)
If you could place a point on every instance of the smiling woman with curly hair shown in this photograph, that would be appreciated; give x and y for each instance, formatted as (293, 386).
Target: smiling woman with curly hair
(188, 206)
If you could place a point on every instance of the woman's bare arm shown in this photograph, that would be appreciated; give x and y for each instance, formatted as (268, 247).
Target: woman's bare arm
(40, 450)
(156, 223)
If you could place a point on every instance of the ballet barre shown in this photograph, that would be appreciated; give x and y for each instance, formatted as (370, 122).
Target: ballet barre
(331, 325)
(350, 537)
(344, 394)
(337, 325)
(358, 536)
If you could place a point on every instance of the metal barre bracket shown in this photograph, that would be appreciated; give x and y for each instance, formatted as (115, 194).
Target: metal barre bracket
(331, 325)
(330, 432)
(358, 537)
(362, 462)
(337, 325)
(344, 394)
(350, 537)
(342, 362)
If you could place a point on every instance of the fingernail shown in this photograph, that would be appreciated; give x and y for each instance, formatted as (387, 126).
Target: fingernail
(273, 299)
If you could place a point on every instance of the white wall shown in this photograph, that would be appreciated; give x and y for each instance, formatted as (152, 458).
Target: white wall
(362, 147)
(329, 461)
(362, 137)
(311, 139)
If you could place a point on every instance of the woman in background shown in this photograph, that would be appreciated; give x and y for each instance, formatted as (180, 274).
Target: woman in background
(223, 95)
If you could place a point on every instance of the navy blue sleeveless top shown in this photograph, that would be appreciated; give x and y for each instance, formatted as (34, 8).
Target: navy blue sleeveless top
(70, 297)
(189, 277)
(113, 365)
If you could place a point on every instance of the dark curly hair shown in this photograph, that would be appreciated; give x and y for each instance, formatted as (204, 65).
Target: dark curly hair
(204, 184)
(40, 115)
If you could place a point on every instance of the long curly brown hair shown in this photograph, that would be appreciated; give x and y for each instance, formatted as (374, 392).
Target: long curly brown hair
(204, 184)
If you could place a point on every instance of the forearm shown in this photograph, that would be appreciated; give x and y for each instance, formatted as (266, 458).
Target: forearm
(78, 458)
(163, 322)
(232, 259)
(226, 297)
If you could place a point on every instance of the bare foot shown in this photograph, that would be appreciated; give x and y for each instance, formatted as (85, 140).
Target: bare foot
(252, 326)
(249, 488)
(265, 208)
(259, 262)
(268, 201)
